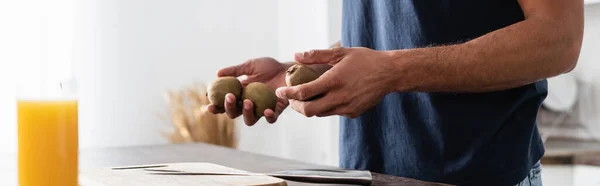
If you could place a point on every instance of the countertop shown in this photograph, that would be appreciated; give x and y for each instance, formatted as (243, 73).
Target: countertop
(558, 152)
(213, 154)
(193, 152)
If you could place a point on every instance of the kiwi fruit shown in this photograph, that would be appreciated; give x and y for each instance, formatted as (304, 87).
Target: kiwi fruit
(221, 87)
(262, 96)
(299, 74)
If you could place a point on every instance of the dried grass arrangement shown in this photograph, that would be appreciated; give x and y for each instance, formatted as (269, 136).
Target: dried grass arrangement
(193, 123)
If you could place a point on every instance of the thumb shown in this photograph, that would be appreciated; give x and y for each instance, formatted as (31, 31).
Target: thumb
(327, 56)
(305, 91)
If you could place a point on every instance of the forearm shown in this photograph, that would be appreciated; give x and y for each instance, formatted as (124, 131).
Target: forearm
(514, 56)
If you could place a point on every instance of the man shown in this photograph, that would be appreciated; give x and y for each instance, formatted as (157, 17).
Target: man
(436, 90)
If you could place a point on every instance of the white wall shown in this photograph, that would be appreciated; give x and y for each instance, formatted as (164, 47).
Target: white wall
(133, 51)
(33, 34)
(130, 52)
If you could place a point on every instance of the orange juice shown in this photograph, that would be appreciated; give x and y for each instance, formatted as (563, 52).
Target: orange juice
(48, 142)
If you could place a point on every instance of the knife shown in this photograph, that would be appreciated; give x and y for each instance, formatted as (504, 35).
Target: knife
(300, 175)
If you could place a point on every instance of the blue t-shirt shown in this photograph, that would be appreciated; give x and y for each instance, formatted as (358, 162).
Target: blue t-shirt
(458, 138)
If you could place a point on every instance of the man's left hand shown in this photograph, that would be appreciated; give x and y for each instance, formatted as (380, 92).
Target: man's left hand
(358, 80)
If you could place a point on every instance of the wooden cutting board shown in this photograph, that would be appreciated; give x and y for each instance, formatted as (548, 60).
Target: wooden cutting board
(134, 177)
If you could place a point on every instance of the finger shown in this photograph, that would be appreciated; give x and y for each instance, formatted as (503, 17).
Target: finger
(305, 91)
(298, 106)
(237, 70)
(213, 109)
(328, 56)
(248, 112)
(314, 108)
(271, 116)
(321, 105)
(230, 106)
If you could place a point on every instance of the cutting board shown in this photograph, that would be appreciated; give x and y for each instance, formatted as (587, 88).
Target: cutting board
(134, 177)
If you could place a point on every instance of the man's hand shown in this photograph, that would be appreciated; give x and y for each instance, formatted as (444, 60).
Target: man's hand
(265, 70)
(357, 82)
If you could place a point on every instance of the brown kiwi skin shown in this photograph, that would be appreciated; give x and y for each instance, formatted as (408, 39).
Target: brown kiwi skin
(221, 87)
(262, 96)
(299, 74)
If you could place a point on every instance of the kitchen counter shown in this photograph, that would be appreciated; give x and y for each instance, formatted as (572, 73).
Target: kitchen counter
(200, 152)
(558, 152)
(196, 152)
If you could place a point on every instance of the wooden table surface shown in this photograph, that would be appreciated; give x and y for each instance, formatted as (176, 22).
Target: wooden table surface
(197, 152)
(200, 152)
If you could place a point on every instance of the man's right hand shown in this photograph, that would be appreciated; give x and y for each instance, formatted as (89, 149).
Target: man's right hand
(264, 70)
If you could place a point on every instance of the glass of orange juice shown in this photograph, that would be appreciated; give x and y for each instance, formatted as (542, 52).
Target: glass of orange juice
(47, 119)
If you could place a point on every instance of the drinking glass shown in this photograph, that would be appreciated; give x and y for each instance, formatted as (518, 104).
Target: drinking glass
(47, 119)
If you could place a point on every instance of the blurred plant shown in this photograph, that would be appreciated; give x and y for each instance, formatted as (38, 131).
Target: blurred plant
(193, 123)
